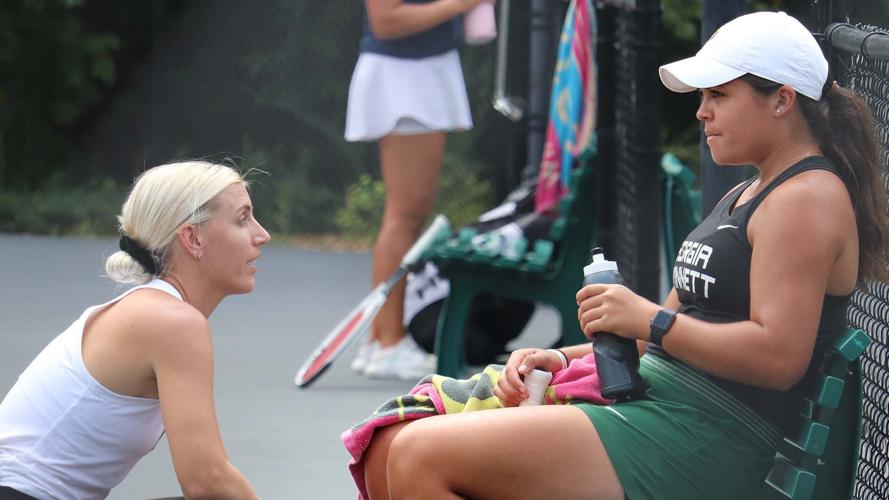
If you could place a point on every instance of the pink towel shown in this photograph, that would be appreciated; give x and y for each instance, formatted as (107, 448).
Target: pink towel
(579, 382)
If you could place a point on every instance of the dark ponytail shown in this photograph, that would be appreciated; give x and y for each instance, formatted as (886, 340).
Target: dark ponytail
(845, 130)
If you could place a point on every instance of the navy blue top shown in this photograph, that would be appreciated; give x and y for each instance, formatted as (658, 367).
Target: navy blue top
(712, 280)
(432, 42)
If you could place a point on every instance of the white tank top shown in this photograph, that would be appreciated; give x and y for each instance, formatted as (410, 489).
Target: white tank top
(63, 434)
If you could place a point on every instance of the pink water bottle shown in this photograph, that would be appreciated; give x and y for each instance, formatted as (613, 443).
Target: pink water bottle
(479, 25)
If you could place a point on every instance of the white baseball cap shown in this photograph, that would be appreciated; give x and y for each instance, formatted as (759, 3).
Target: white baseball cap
(770, 45)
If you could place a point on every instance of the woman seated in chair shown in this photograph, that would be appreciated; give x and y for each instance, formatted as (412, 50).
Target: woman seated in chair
(759, 287)
(102, 394)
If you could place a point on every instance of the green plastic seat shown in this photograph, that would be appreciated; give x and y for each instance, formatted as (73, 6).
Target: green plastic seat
(550, 271)
(819, 461)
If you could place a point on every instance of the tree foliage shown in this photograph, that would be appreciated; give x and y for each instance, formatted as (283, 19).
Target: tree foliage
(53, 70)
(276, 101)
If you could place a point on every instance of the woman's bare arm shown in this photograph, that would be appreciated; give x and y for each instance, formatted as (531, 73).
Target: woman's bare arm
(182, 357)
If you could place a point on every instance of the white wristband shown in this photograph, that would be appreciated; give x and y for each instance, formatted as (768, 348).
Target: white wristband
(561, 357)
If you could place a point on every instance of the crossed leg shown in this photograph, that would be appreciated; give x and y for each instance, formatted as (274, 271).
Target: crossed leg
(536, 452)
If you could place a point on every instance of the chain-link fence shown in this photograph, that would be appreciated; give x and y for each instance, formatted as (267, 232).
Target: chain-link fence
(861, 61)
(629, 139)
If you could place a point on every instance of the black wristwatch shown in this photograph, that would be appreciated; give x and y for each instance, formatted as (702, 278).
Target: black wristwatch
(660, 325)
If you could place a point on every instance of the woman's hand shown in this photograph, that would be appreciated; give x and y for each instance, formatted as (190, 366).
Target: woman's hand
(510, 387)
(615, 309)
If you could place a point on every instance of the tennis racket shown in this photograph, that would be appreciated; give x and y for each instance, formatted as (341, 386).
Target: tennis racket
(359, 319)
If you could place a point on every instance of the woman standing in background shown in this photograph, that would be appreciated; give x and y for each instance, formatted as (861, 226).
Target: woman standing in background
(407, 92)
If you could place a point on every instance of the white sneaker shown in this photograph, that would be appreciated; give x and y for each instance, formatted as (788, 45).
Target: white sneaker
(365, 351)
(404, 361)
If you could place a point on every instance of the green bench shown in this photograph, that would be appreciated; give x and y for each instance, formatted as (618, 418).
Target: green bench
(550, 271)
(819, 462)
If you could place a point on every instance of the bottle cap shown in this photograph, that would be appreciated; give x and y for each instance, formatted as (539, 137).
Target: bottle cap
(598, 263)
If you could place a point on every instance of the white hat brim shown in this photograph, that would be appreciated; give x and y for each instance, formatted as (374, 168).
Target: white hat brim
(697, 73)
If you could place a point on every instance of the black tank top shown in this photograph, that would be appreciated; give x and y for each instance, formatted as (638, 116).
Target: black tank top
(712, 280)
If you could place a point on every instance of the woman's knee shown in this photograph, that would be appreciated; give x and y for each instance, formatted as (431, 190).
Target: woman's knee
(408, 221)
(375, 460)
(413, 458)
(415, 207)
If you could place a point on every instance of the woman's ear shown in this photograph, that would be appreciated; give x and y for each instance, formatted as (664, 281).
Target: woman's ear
(190, 239)
(785, 98)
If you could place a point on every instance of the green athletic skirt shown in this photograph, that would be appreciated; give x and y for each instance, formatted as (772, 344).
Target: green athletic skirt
(686, 439)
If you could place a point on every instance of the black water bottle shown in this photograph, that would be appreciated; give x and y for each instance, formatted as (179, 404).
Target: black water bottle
(617, 359)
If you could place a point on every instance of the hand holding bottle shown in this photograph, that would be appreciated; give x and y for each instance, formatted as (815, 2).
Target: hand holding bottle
(614, 308)
(617, 359)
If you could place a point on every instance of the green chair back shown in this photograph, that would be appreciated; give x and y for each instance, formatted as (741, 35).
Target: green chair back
(819, 461)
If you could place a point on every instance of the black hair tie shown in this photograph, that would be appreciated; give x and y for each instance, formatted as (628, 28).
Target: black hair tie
(139, 254)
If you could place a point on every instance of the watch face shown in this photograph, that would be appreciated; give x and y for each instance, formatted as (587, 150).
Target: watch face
(660, 324)
(663, 319)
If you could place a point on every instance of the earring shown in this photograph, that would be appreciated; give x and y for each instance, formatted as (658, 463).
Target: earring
(198, 255)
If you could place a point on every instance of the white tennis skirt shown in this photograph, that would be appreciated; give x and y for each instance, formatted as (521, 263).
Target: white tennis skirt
(391, 95)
